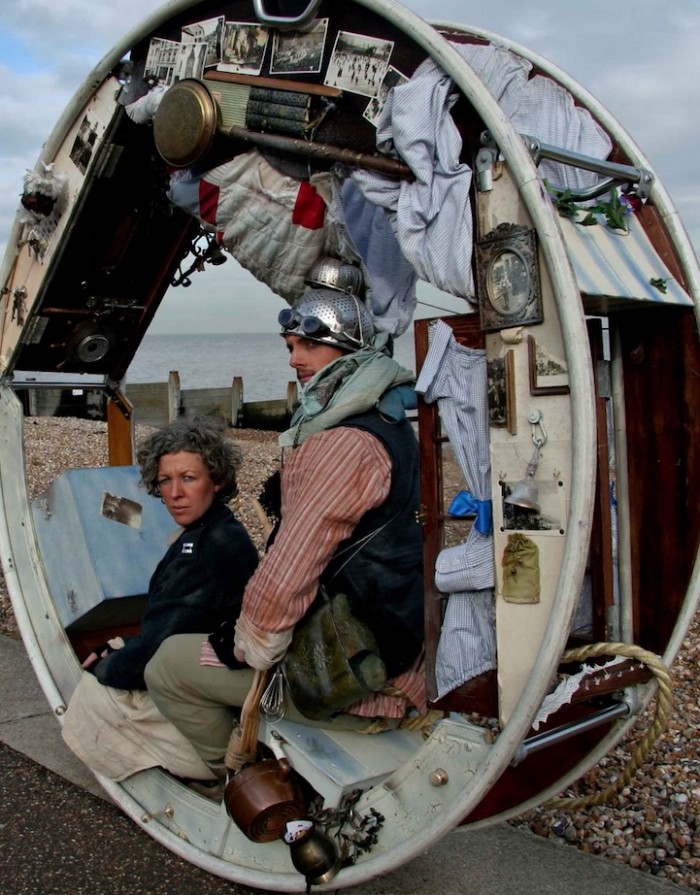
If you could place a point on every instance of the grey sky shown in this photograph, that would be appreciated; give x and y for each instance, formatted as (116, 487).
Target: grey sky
(640, 58)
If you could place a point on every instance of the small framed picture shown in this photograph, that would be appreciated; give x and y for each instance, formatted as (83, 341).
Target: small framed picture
(508, 279)
(500, 373)
(548, 374)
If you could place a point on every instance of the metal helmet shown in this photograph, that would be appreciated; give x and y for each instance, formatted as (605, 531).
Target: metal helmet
(332, 273)
(330, 317)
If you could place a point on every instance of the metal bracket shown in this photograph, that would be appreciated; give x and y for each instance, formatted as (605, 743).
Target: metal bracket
(485, 160)
(612, 171)
(115, 395)
(283, 22)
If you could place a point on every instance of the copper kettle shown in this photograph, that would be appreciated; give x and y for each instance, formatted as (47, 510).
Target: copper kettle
(262, 797)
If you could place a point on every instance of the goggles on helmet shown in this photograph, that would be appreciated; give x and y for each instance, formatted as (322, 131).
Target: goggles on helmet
(330, 317)
(289, 319)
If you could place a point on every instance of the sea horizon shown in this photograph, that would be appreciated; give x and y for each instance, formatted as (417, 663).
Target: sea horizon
(213, 360)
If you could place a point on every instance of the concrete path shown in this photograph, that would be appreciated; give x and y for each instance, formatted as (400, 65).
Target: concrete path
(56, 837)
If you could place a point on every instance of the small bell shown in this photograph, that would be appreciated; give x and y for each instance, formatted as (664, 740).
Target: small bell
(312, 851)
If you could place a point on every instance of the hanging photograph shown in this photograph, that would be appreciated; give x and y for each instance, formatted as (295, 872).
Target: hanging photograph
(243, 48)
(500, 384)
(548, 374)
(358, 63)
(508, 280)
(548, 515)
(299, 52)
(84, 144)
(161, 61)
(393, 78)
(209, 32)
(190, 61)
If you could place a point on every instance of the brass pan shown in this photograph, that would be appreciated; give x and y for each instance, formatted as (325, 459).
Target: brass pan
(185, 123)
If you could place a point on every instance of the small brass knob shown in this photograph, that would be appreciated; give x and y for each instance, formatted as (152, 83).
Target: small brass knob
(438, 777)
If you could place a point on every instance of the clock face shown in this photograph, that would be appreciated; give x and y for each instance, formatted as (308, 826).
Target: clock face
(508, 283)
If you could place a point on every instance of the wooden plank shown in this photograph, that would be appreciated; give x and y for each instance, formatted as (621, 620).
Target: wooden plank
(601, 559)
(120, 430)
(661, 358)
(150, 402)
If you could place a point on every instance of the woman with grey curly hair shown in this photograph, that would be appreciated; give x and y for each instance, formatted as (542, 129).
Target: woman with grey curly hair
(111, 723)
(205, 437)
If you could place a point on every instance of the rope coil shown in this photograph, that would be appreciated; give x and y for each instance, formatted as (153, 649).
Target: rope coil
(663, 709)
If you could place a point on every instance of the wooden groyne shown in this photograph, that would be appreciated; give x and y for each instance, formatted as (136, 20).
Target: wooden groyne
(158, 403)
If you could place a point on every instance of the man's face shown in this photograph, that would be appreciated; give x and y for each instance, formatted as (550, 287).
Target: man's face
(307, 357)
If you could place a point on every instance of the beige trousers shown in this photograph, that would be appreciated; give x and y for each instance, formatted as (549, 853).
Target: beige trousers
(119, 732)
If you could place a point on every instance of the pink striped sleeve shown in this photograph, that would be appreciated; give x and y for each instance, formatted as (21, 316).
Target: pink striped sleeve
(328, 484)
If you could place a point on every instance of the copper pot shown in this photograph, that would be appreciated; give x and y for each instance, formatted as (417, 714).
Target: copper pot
(262, 797)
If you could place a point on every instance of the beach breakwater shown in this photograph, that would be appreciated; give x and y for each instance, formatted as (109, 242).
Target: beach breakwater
(158, 403)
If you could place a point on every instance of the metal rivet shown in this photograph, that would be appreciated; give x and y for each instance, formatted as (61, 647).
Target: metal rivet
(438, 777)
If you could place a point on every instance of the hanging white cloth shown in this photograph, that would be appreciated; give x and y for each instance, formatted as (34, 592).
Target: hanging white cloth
(455, 377)
(431, 215)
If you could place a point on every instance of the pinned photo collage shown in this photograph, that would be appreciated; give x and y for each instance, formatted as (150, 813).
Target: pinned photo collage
(358, 63)
(236, 47)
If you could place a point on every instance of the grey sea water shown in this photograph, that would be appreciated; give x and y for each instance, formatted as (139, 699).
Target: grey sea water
(212, 361)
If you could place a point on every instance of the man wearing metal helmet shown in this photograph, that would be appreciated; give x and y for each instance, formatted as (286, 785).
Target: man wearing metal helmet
(348, 521)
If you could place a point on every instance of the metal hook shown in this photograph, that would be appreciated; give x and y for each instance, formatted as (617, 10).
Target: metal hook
(534, 417)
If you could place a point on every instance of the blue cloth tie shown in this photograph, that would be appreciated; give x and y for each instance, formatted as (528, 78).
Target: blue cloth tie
(395, 402)
(465, 504)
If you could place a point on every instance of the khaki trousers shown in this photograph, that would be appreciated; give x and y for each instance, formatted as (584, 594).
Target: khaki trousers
(204, 702)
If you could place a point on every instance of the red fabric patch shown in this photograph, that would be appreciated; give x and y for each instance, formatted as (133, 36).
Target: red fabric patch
(208, 201)
(309, 209)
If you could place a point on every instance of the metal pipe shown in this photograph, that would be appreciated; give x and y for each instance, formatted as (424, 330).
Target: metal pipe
(614, 172)
(25, 384)
(630, 173)
(567, 731)
(389, 166)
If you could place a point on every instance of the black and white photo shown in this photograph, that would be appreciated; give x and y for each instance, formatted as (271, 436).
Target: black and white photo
(358, 63)
(161, 61)
(299, 52)
(243, 49)
(392, 78)
(209, 32)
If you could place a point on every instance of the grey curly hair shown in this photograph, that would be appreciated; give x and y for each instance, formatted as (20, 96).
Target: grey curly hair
(203, 436)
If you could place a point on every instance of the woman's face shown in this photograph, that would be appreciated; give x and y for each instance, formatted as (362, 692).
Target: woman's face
(186, 486)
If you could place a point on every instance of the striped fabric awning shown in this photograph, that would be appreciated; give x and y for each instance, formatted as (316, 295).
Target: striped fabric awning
(615, 270)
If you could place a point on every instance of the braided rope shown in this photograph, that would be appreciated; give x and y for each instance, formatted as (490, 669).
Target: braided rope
(410, 722)
(663, 709)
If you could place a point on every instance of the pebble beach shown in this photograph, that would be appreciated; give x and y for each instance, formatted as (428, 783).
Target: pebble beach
(652, 824)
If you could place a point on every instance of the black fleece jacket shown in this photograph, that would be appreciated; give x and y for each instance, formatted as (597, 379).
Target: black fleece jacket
(197, 585)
